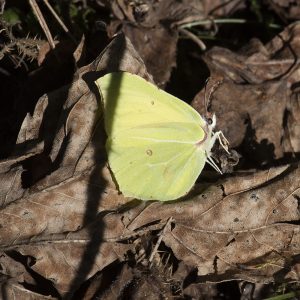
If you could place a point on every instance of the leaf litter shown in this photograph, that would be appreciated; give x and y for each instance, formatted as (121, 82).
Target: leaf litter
(64, 223)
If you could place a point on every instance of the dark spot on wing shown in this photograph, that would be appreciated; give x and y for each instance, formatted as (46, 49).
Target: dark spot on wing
(149, 152)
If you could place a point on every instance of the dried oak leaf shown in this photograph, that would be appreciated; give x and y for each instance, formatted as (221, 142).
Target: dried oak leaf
(242, 228)
(256, 104)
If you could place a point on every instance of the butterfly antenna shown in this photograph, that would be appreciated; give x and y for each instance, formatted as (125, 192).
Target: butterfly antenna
(206, 99)
(208, 96)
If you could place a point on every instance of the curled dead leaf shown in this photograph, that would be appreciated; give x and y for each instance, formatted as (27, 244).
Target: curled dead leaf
(256, 104)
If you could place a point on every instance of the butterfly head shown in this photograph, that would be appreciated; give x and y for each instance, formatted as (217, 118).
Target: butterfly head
(211, 120)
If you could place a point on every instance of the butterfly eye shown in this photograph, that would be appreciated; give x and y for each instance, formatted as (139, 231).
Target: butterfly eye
(209, 121)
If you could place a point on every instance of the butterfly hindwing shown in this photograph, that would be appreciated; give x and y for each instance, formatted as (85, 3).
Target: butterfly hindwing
(154, 170)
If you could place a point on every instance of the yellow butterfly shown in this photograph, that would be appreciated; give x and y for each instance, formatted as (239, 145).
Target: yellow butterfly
(157, 145)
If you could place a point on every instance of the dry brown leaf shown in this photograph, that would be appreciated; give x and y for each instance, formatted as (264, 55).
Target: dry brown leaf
(286, 9)
(256, 105)
(220, 8)
(249, 233)
(59, 260)
(150, 13)
(152, 28)
(13, 270)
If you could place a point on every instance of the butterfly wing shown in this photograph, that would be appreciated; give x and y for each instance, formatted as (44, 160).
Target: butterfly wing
(152, 138)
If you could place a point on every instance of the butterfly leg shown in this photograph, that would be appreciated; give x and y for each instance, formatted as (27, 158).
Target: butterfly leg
(222, 140)
(211, 162)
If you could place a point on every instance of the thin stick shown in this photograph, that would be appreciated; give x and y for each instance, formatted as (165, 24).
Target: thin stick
(225, 21)
(39, 15)
(194, 38)
(59, 20)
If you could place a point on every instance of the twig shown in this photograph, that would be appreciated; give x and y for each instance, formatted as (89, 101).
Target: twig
(2, 5)
(59, 20)
(193, 37)
(39, 15)
(4, 72)
(225, 21)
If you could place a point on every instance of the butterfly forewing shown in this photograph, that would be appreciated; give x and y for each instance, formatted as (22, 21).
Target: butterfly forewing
(131, 101)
